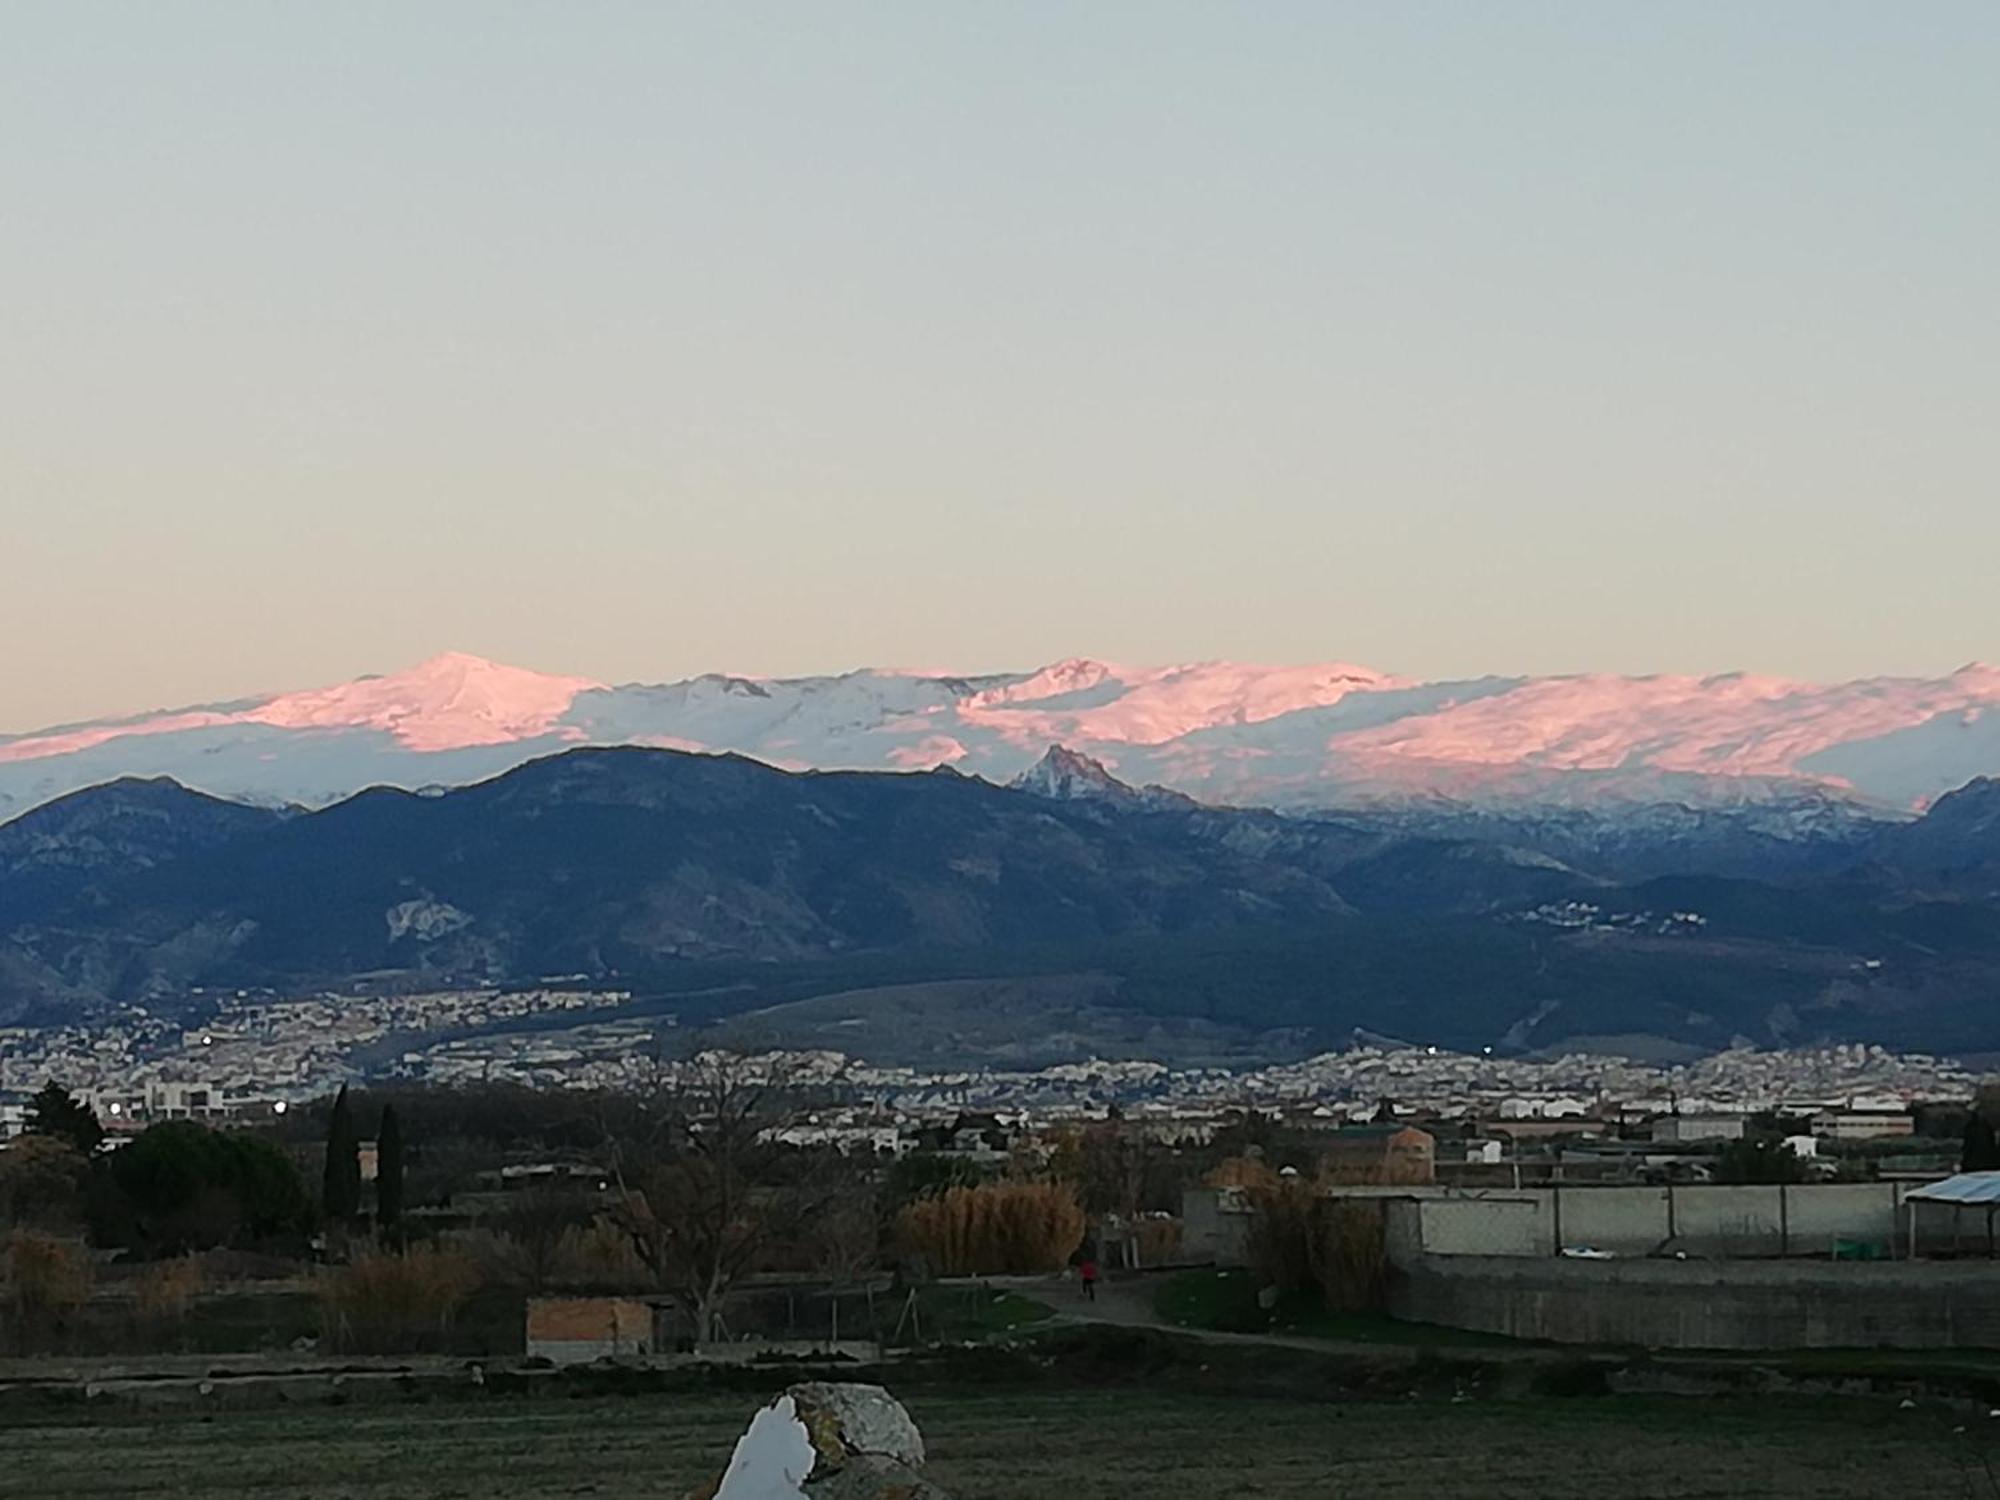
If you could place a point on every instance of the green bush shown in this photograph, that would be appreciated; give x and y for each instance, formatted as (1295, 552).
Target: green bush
(180, 1186)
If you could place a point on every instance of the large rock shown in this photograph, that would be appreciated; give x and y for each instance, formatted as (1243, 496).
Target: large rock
(824, 1441)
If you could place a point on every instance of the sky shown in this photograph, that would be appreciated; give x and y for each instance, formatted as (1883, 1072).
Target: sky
(642, 340)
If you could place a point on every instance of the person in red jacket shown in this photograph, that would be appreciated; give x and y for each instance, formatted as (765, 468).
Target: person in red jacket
(1086, 1273)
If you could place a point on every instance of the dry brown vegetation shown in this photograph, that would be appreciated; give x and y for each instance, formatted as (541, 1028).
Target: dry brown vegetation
(384, 1301)
(1001, 1228)
(1158, 1240)
(43, 1278)
(1301, 1239)
(41, 1183)
(1240, 1172)
(166, 1290)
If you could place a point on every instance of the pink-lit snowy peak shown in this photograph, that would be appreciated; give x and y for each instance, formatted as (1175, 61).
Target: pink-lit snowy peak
(1220, 729)
(1734, 725)
(451, 702)
(1095, 702)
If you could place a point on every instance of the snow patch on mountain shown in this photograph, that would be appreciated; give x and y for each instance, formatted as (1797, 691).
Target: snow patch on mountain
(450, 702)
(1065, 775)
(1094, 702)
(447, 703)
(1324, 736)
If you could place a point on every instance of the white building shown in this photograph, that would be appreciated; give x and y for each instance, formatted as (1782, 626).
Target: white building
(1684, 1128)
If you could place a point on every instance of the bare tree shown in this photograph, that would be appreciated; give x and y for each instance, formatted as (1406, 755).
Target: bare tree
(535, 1222)
(844, 1239)
(43, 1179)
(705, 1186)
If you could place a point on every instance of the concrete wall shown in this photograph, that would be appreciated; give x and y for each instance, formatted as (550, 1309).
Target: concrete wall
(1735, 1221)
(1707, 1305)
(1625, 1220)
(1870, 1211)
(1513, 1225)
(1215, 1226)
(1716, 1221)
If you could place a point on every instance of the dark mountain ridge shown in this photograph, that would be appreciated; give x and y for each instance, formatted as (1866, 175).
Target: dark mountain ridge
(56, 851)
(1954, 847)
(655, 868)
(606, 861)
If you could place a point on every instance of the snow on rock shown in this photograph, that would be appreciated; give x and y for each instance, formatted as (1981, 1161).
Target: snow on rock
(425, 919)
(826, 1441)
(773, 1457)
(1067, 775)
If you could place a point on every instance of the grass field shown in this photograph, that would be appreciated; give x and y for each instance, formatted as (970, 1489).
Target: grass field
(1074, 1444)
(1226, 1301)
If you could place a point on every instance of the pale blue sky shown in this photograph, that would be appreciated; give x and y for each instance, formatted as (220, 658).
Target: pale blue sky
(638, 340)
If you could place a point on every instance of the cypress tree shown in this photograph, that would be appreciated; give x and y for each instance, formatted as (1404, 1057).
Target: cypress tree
(389, 1169)
(55, 1111)
(341, 1187)
(1982, 1148)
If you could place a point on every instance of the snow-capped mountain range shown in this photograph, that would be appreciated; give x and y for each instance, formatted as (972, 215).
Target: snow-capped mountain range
(1314, 737)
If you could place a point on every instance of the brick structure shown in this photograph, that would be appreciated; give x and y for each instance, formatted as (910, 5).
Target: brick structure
(576, 1330)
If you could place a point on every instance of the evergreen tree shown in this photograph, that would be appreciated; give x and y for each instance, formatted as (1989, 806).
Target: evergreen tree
(1759, 1159)
(1982, 1148)
(389, 1169)
(341, 1187)
(55, 1111)
(181, 1186)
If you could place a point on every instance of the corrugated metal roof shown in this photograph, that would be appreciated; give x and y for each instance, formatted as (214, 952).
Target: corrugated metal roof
(1967, 1187)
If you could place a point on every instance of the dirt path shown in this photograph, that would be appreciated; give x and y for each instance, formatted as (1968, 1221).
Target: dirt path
(1127, 1301)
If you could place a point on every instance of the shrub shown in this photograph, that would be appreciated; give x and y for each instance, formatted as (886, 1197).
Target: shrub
(42, 1179)
(167, 1289)
(1158, 1240)
(1352, 1254)
(42, 1280)
(1300, 1240)
(1240, 1172)
(1281, 1236)
(385, 1302)
(1015, 1228)
(600, 1254)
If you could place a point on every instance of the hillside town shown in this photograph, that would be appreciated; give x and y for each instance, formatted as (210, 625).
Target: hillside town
(254, 1055)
